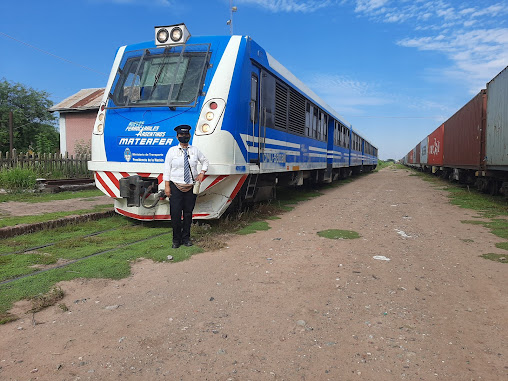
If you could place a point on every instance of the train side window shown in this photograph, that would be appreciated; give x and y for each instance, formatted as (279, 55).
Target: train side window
(315, 117)
(325, 127)
(253, 98)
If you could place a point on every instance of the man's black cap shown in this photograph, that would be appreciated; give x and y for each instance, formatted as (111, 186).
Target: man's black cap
(183, 129)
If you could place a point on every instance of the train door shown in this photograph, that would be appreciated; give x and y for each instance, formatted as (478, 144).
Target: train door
(266, 108)
(254, 142)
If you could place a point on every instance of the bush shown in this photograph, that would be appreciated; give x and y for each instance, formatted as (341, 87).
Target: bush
(18, 179)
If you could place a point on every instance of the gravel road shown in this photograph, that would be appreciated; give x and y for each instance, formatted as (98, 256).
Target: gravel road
(286, 304)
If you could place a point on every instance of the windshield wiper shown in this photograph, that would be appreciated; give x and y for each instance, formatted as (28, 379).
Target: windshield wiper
(165, 55)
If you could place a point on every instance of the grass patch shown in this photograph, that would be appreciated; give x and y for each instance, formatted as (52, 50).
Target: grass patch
(383, 164)
(18, 180)
(339, 234)
(502, 245)
(495, 257)
(497, 226)
(254, 227)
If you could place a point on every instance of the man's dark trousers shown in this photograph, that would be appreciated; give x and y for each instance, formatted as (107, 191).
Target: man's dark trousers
(181, 202)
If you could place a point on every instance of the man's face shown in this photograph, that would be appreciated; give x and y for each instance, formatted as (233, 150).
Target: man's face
(183, 137)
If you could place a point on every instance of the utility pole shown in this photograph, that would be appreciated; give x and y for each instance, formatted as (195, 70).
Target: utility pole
(11, 135)
(232, 9)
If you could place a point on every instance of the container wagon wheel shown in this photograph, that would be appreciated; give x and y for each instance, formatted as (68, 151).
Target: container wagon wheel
(493, 187)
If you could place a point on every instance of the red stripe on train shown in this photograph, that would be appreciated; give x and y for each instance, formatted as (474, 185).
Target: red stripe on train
(156, 217)
(237, 188)
(113, 179)
(217, 180)
(103, 183)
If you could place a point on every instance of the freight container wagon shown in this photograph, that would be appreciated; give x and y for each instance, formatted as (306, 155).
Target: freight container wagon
(424, 153)
(417, 155)
(496, 147)
(463, 148)
(435, 149)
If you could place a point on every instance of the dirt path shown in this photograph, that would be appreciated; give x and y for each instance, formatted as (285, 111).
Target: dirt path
(15, 208)
(285, 304)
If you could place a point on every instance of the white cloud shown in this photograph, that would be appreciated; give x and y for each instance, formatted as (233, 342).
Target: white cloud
(478, 55)
(474, 37)
(304, 6)
(369, 5)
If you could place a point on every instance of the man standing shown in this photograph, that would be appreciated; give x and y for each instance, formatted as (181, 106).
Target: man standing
(180, 173)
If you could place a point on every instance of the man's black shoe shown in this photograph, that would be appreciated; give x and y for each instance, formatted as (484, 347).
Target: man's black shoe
(176, 245)
(188, 243)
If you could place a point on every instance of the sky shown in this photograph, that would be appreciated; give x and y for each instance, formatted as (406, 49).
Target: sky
(394, 69)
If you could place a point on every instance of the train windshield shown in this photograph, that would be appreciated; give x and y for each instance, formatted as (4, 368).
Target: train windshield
(170, 76)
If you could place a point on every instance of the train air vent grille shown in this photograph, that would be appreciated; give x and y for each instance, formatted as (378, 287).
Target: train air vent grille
(281, 106)
(296, 113)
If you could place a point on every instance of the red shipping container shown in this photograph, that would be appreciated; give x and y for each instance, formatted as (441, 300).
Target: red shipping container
(435, 151)
(463, 139)
(410, 157)
(417, 157)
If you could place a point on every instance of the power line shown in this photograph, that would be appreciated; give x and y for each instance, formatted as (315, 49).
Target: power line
(52, 55)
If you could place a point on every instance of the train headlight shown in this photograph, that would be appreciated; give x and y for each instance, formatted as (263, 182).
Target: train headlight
(100, 128)
(210, 117)
(171, 35)
(162, 36)
(176, 34)
(101, 117)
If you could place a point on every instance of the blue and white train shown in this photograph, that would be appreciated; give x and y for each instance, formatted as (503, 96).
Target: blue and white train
(258, 125)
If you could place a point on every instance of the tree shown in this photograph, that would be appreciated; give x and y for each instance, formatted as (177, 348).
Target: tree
(34, 125)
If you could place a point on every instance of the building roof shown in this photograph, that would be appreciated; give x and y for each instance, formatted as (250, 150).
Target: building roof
(84, 99)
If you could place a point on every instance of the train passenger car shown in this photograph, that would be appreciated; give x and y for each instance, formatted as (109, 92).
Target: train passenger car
(257, 124)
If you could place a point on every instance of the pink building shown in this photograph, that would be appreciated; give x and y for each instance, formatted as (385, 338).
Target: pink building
(77, 117)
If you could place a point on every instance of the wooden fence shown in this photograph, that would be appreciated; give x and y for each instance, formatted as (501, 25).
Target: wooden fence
(50, 165)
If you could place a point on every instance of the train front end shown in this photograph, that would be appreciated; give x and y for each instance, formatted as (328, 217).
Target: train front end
(154, 87)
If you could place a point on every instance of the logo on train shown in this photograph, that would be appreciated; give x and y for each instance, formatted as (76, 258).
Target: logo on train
(434, 148)
(127, 154)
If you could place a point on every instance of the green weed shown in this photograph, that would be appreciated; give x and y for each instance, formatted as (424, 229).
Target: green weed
(254, 227)
(495, 257)
(502, 245)
(338, 234)
(16, 180)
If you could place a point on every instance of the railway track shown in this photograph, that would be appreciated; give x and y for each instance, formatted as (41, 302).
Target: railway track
(66, 264)
(54, 243)
(61, 185)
